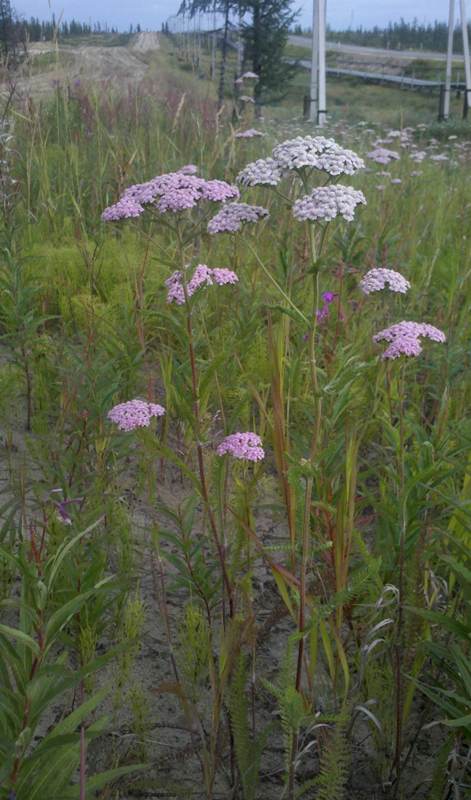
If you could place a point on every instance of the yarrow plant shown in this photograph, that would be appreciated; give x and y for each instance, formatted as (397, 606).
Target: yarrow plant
(245, 446)
(250, 133)
(202, 276)
(327, 202)
(404, 338)
(134, 414)
(312, 455)
(263, 172)
(233, 216)
(382, 155)
(173, 192)
(300, 155)
(317, 152)
(379, 278)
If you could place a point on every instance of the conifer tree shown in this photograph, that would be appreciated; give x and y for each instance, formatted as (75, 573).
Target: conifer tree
(6, 27)
(224, 7)
(265, 33)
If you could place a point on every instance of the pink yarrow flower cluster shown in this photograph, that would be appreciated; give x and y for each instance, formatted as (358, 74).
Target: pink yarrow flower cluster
(328, 202)
(245, 446)
(173, 192)
(134, 414)
(202, 276)
(383, 156)
(379, 278)
(404, 338)
(232, 216)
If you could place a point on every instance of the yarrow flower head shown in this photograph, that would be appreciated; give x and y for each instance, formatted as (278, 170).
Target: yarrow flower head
(383, 156)
(246, 446)
(134, 414)
(232, 216)
(174, 192)
(250, 133)
(404, 338)
(316, 152)
(303, 152)
(328, 202)
(263, 172)
(250, 76)
(379, 278)
(202, 276)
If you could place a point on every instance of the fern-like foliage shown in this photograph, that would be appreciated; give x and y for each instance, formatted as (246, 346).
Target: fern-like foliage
(248, 751)
(335, 763)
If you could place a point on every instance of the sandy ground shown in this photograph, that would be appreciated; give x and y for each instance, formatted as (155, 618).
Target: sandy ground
(86, 62)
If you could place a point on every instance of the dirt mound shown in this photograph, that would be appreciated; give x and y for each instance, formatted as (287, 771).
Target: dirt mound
(85, 62)
(145, 41)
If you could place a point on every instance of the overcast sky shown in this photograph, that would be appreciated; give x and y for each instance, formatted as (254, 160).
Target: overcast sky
(151, 13)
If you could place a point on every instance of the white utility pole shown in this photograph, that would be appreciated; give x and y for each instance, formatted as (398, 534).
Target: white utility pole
(467, 66)
(449, 60)
(321, 111)
(317, 95)
(314, 87)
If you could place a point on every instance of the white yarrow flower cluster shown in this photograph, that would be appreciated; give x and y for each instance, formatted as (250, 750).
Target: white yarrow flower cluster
(317, 152)
(264, 171)
(303, 152)
(328, 202)
(379, 278)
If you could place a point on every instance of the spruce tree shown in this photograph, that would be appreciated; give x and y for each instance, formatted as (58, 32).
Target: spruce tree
(6, 27)
(225, 7)
(265, 33)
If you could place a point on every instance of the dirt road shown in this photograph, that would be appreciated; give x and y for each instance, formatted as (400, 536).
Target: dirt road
(85, 62)
(376, 52)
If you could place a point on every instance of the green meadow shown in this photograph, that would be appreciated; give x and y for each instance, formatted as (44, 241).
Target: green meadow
(180, 622)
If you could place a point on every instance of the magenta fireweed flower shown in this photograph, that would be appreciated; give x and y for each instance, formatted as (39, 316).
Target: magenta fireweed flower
(323, 313)
(173, 192)
(379, 278)
(383, 156)
(202, 276)
(327, 202)
(404, 338)
(134, 414)
(246, 446)
(328, 297)
(232, 216)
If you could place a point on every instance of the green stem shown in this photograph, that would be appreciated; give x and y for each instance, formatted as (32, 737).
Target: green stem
(278, 287)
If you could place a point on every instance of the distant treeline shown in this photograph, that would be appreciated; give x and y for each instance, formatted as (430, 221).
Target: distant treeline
(399, 36)
(16, 32)
(37, 30)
